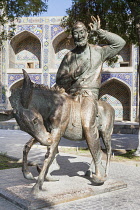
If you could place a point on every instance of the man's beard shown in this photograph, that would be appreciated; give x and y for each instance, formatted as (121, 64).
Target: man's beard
(81, 43)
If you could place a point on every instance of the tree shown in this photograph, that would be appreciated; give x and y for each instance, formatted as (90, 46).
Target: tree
(11, 9)
(119, 16)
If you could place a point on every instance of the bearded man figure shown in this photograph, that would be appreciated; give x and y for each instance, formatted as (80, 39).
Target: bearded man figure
(80, 75)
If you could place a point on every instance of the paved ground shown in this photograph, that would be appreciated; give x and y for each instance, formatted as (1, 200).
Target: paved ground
(12, 143)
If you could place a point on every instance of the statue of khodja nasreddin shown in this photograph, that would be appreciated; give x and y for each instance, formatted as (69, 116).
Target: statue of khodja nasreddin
(70, 109)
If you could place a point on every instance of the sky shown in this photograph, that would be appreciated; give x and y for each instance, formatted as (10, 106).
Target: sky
(57, 7)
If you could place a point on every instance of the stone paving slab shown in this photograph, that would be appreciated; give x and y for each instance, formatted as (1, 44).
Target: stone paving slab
(65, 190)
(72, 184)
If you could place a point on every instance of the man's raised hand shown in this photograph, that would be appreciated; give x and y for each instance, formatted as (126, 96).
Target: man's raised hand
(95, 25)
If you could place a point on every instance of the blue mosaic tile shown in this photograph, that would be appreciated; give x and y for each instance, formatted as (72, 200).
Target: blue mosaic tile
(126, 77)
(35, 29)
(54, 19)
(19, 66)
(52, 79)
(45, 57)
(45, 79)
(134, 113)
(46, 32)
(12, 78)
(55, 29)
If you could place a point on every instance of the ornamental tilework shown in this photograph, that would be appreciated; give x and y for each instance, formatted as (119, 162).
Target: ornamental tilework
(20, 66)
(134, 113)
(46, 32)
(135, 99)
(55, 29)
(33, 20)
(126, 77)
(52, 79)
(117, 95)
(15, 77)
(35, 29)
(46, 51)
(55, 20)
(26, 50)
(45, 79)
(45, 56)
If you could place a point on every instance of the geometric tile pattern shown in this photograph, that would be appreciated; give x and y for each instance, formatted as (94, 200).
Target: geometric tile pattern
(52, 79)
(126, 77)
(35, 29)
(12, 78)
(55, 29)
(45, 56)
(134, 113)
(28, 50)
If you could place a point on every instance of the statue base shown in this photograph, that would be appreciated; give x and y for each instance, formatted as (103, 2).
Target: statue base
(65, 190)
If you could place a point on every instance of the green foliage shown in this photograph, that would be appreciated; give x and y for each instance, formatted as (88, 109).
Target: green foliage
(8, 162)
(119, 16)
(11, 9)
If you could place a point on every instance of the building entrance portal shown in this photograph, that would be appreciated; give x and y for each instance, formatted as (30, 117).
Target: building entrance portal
(25, 51)
(117, 94)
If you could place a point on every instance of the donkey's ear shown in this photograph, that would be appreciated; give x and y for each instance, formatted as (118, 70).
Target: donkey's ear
(27, 90)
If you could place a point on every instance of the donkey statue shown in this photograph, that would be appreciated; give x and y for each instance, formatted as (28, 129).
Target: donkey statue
(47, 114)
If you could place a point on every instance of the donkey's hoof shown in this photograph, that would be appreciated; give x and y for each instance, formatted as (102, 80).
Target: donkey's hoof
(28, 175)
(98, 180)
(35, 190)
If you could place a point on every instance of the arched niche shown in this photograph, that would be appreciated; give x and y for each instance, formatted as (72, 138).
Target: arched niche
(118, 94)
(16, 85)
(25, 51)
(62, 44)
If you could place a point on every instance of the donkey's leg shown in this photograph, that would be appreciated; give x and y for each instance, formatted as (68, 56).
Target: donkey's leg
(91, 169)
(106, 137)
(27, 147)
(54, 166)
(92, 136)
(44, 170)
(60, 121)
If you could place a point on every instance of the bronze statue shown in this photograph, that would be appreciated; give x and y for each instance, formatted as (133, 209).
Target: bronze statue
(47, 114)
(80, 75)
(75, 113)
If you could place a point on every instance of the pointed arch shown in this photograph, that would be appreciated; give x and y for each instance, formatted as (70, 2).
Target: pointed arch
(61, 44)
(118, 94)
(25, 49)
(16, 84)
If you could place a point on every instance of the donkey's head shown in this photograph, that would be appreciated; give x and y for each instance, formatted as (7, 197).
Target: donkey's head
(28, 118)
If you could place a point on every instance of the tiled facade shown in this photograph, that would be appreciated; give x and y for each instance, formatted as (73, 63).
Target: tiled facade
(39, 45)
